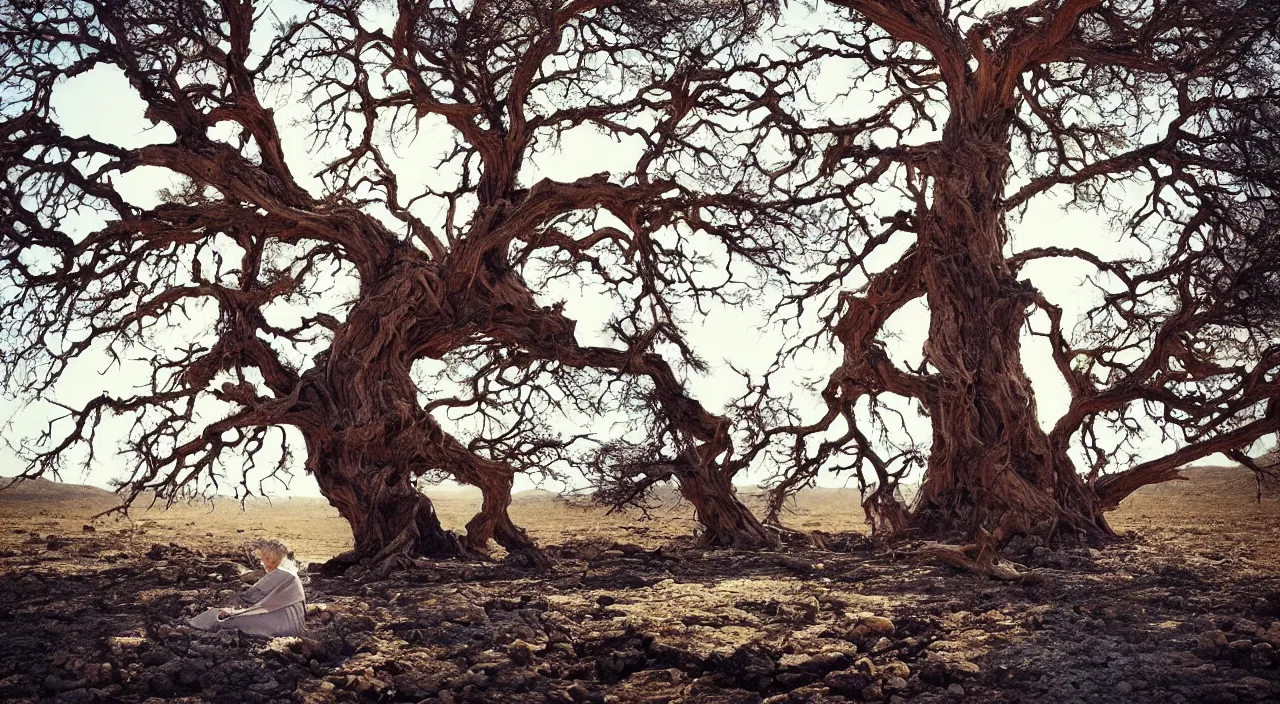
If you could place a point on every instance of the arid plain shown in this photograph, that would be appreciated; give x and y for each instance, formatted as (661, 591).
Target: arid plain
(1179, 610)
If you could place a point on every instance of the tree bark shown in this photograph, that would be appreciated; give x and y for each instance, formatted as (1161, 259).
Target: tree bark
(365, 422)
(389, 517)
(992, 472)
(494, 521)
(704, 480)
(726, 521)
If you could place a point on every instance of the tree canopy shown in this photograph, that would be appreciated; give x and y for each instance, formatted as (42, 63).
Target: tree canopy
(356, 304)
(1160, 116)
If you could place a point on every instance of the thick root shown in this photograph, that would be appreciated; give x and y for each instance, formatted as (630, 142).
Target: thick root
(339, 564)
(531, 558)
(970, 558)
(798, 539)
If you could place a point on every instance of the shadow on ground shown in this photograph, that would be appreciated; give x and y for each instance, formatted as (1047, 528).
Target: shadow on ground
(85, 621)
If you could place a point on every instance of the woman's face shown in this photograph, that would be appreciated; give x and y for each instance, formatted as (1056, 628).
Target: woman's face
(269, 561)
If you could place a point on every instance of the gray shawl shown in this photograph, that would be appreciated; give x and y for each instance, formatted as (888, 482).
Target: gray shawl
(273, 592)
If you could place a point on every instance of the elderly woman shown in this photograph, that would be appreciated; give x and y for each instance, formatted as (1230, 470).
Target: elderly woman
(274, 606)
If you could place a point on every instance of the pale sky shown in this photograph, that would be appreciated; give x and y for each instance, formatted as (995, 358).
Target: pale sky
(101, 104)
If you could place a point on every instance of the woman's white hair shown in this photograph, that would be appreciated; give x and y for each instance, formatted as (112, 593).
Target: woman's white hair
(276, 549)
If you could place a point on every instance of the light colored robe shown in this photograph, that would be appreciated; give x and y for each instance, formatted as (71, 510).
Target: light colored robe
(276, 606)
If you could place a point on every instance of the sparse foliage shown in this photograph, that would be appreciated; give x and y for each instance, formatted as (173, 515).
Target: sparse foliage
(245, 235)
(1159, 115)
(326, 295)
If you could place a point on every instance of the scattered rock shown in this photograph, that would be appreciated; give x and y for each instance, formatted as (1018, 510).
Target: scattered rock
(520, 652)
(725, 627)
(1242, 646)
(1210, 644)
(872, 625)
(1263, 655)
(850, 682)
(1245, 627)
(1271, 634)
(896, 668)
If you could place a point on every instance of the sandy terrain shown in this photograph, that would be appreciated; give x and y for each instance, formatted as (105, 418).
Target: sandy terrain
(1180, 611)
(316, 532)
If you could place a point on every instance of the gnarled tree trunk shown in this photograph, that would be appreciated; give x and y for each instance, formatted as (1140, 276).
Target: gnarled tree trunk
(494, 521)
(726, 522)
(993, 472)
(370, 437)
(389, 517)
(703, 478)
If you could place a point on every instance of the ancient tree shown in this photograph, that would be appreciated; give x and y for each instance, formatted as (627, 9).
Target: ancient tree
(1161, 115)
(435, 249)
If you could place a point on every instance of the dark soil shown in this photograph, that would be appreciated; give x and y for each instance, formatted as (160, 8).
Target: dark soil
(1140, 621)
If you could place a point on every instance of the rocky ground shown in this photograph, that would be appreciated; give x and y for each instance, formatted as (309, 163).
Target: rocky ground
(96, 617)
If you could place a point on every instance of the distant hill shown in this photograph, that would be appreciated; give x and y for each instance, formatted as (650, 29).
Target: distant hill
(1215, 480)
(1231, 480)
(41, 489)
(533, 496)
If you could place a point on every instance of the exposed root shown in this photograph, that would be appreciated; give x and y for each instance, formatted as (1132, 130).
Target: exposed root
(724, 520)
(793, 538)
(531, 558)
(971, 558)
(339, 564)
(392, 563)
(403, 552)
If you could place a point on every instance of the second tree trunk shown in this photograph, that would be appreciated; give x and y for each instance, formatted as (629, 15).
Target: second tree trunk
(992, 471)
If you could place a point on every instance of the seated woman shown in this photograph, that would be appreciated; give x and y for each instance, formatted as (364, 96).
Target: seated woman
(274, 606)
